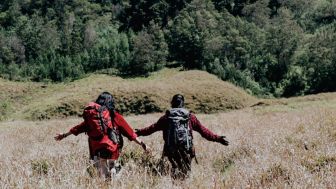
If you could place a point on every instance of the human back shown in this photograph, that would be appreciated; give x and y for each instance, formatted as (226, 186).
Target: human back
(98, 120)
(100, 124)
(179, 136)
(177, 126)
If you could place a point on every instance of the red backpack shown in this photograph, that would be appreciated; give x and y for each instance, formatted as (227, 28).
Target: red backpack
(100, 131)
(98, 120)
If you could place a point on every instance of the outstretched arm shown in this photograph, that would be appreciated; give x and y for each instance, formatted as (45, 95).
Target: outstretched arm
(206, 133)
(142, 144)
(158, 126)
(80, 128)
(61, 136)
(127, 131)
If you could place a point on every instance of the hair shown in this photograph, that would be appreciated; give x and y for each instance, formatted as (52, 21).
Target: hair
(107, 100)
(177, 101)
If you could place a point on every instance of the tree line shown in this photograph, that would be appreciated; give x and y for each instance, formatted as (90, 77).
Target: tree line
(268, 47)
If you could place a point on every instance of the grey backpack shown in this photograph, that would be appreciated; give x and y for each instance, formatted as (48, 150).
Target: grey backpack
(179, 133)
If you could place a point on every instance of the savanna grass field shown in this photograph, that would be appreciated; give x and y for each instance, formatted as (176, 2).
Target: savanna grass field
(274, 143)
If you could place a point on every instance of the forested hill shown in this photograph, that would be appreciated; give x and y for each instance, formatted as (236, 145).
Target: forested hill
(268, 47)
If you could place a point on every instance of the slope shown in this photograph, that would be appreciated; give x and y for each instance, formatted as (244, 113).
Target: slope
(203, 92)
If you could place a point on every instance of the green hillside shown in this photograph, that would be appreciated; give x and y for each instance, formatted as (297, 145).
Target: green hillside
(204, 93)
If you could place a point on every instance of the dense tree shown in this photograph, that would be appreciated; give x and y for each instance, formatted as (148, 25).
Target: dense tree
(258, 12)
(317, 58)
(189, 32)
(140, 13)
(283, 35)
(268, 47)
(235, 7)
(149, 52)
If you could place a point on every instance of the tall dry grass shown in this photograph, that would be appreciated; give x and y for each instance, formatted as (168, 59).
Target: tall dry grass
(268, 149)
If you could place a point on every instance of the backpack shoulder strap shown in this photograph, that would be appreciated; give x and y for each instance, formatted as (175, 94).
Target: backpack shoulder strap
(103, 126)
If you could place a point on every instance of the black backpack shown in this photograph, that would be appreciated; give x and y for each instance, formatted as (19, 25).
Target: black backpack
(114, 134)
(179, 134)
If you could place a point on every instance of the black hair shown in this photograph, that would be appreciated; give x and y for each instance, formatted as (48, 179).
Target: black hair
(107, 100)
(177, 101)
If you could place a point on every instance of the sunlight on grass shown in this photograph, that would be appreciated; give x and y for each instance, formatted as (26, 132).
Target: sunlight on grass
(269, 150)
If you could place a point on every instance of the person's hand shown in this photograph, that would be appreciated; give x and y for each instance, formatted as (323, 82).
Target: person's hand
(146, 148)
(137, 131)
(223, 141)
(59, 136)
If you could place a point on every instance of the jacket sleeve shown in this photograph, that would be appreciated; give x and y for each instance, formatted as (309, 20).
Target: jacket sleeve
(125, 128)
(205, 133)
(158, 126)
(80, 128)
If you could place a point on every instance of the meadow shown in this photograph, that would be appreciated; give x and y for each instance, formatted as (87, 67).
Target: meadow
(274, 146)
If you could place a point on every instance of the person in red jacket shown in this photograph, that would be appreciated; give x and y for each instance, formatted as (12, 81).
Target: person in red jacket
(103, 150)
(179, 157)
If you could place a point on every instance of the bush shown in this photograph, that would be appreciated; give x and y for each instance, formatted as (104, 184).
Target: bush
(318, 60)
(149, 52)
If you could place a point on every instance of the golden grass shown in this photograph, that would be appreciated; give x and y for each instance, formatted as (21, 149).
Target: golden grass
(203, 92)
(279, 143)
(272, 149)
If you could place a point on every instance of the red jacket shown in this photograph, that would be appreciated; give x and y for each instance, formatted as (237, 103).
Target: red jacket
(163, 123)
(119, 122)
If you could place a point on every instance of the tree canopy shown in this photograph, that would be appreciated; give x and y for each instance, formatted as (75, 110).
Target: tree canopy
(268, 47)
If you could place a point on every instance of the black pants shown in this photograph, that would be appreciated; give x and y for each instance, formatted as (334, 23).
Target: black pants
(181, 164)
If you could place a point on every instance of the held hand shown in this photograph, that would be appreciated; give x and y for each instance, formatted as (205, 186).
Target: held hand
(59, 136)
(146, 148)
(223, 141)
(137, 131)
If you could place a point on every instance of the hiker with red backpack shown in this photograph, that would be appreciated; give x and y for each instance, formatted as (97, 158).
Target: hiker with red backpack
(177, 126)
(104, 127)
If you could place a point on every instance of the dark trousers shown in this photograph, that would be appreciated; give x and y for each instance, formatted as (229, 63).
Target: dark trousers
(181, 164)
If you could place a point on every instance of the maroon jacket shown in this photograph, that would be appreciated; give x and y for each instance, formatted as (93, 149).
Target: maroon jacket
(163, 123)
